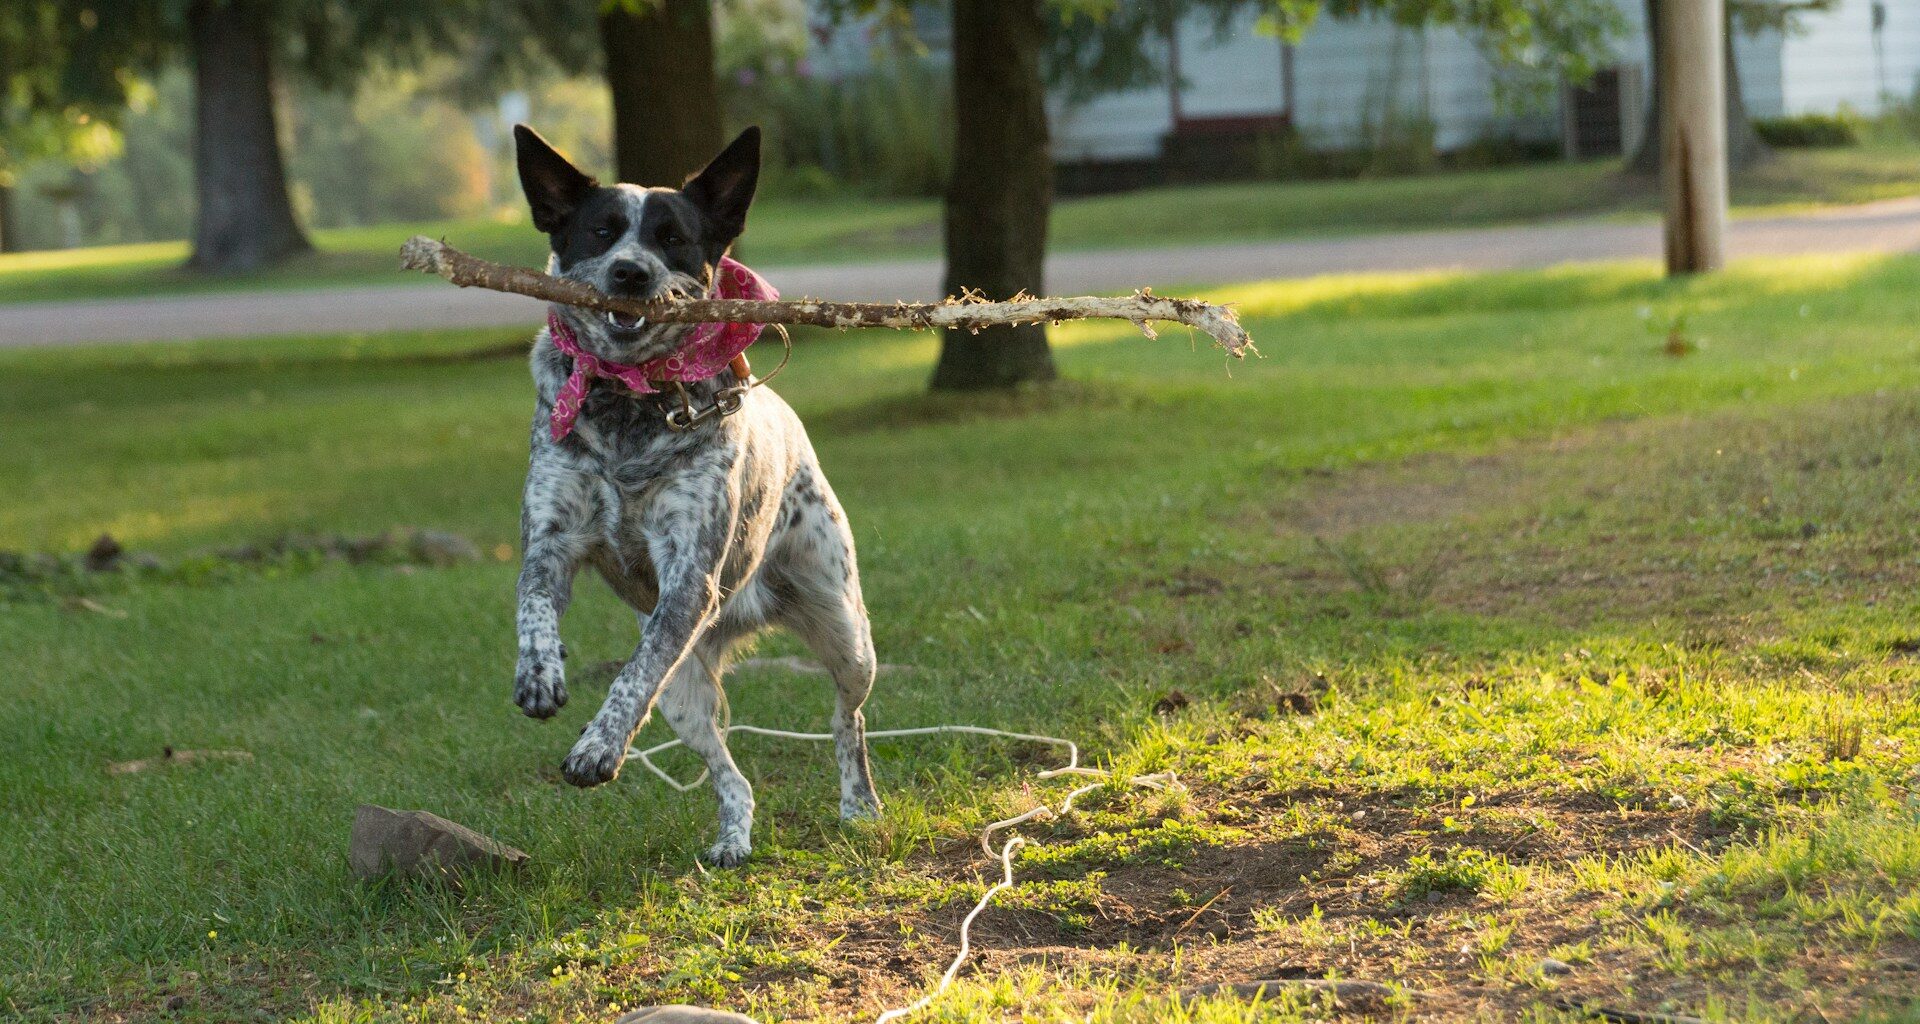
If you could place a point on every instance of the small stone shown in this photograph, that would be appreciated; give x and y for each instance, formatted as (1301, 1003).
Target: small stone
(420, 844)
(1555, 968)
(174, 1003)
(104, 555)
(681, 1014)
(440, 548)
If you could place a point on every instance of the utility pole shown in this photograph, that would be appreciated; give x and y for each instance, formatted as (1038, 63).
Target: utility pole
(1693, 132)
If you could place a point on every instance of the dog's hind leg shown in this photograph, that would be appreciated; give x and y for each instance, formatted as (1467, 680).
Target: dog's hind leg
(691, 704)
(835, 627)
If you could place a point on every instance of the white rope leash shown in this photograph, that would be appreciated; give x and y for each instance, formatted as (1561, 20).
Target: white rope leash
(1158, 780)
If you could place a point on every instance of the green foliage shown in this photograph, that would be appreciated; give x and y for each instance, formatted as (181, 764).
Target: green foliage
(1165, 844)
(1802, 131)
(1776, 15)
(66, 74)
(883, 131)
(387, 151)
(1460, 869)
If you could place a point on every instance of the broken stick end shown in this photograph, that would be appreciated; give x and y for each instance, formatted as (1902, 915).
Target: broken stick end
(421, 253)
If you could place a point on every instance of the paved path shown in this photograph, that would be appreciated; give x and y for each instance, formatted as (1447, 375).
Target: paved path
(1891, 226)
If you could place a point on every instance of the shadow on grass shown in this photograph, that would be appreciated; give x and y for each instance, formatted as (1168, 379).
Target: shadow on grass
(920, 409)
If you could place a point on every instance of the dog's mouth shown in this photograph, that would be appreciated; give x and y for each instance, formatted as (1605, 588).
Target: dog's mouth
(623, 324)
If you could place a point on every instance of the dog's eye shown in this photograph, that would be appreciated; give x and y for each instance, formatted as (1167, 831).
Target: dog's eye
(603, 232)
(667, 235)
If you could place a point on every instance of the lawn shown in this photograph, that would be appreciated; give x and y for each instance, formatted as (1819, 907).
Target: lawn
(1482, 630)
(789, 231)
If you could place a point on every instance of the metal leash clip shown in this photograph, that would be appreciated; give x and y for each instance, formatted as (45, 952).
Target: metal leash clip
(726, 401)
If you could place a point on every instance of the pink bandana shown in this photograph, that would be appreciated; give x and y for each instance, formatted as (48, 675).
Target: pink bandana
(709, 348)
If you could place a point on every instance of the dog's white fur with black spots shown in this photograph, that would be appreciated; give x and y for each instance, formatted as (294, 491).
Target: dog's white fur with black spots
(712, 534)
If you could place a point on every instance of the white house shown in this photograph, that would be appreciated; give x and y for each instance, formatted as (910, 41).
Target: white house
(1349, 83)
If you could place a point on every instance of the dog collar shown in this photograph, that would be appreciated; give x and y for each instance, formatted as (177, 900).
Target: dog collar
(709, 349)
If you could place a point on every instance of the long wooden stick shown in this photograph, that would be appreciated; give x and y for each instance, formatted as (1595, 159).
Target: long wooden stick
(969, 313)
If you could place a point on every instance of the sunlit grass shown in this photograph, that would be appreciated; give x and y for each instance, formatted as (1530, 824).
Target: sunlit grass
(1617, 668)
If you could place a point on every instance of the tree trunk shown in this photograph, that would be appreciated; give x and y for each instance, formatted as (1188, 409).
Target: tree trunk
(9, 240)
(1002, 188)
(1745, 147)
(1693, 137)
(245, 218)
(666, 105)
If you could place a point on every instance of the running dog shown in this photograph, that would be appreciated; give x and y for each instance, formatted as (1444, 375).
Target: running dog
(712, 527)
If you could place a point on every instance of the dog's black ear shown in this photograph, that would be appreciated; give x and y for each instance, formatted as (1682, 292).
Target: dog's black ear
(554, 187)
(724, 188)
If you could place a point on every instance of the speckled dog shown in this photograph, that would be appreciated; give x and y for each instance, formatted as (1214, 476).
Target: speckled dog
(711, 533)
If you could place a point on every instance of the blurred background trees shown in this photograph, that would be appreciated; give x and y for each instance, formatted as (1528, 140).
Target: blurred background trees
(67, 79)
(330, 113)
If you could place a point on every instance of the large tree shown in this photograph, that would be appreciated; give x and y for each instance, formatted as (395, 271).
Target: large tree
(1745, 147)
(657, 58)
(245, 213)
(239, 50)
(1000, 191)
(660, 72)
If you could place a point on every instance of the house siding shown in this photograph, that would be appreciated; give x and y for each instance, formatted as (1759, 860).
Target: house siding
(1833, 61)
(1351, 75)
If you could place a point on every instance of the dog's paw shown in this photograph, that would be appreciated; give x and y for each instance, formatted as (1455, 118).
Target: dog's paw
(540, 681)
(860, 808)
(728, 853)
(594, 760)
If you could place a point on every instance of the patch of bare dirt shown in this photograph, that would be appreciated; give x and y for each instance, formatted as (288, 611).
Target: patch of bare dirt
(170, 757)
(1200, 923)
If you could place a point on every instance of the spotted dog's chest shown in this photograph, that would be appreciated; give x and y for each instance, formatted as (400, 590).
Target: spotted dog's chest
(622, 446)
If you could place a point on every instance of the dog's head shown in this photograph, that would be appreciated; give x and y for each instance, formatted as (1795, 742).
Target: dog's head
(634, 242)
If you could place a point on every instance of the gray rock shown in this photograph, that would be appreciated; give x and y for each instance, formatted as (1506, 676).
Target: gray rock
(1550, 966)
(678, 1014)
(420, 844)
(440, 548)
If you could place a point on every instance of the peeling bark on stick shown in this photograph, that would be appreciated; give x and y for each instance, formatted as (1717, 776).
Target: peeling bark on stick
(965, 314)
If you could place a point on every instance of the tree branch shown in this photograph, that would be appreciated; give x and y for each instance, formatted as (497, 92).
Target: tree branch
(967, 313)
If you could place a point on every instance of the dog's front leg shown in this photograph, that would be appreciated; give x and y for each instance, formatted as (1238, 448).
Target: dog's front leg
(687, 529)
(556, 529)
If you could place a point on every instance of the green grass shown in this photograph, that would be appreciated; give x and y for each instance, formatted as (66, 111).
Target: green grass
(1608, 657)
(787, 231)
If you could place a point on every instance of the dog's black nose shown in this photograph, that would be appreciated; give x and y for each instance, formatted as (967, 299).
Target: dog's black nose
(629, 274)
